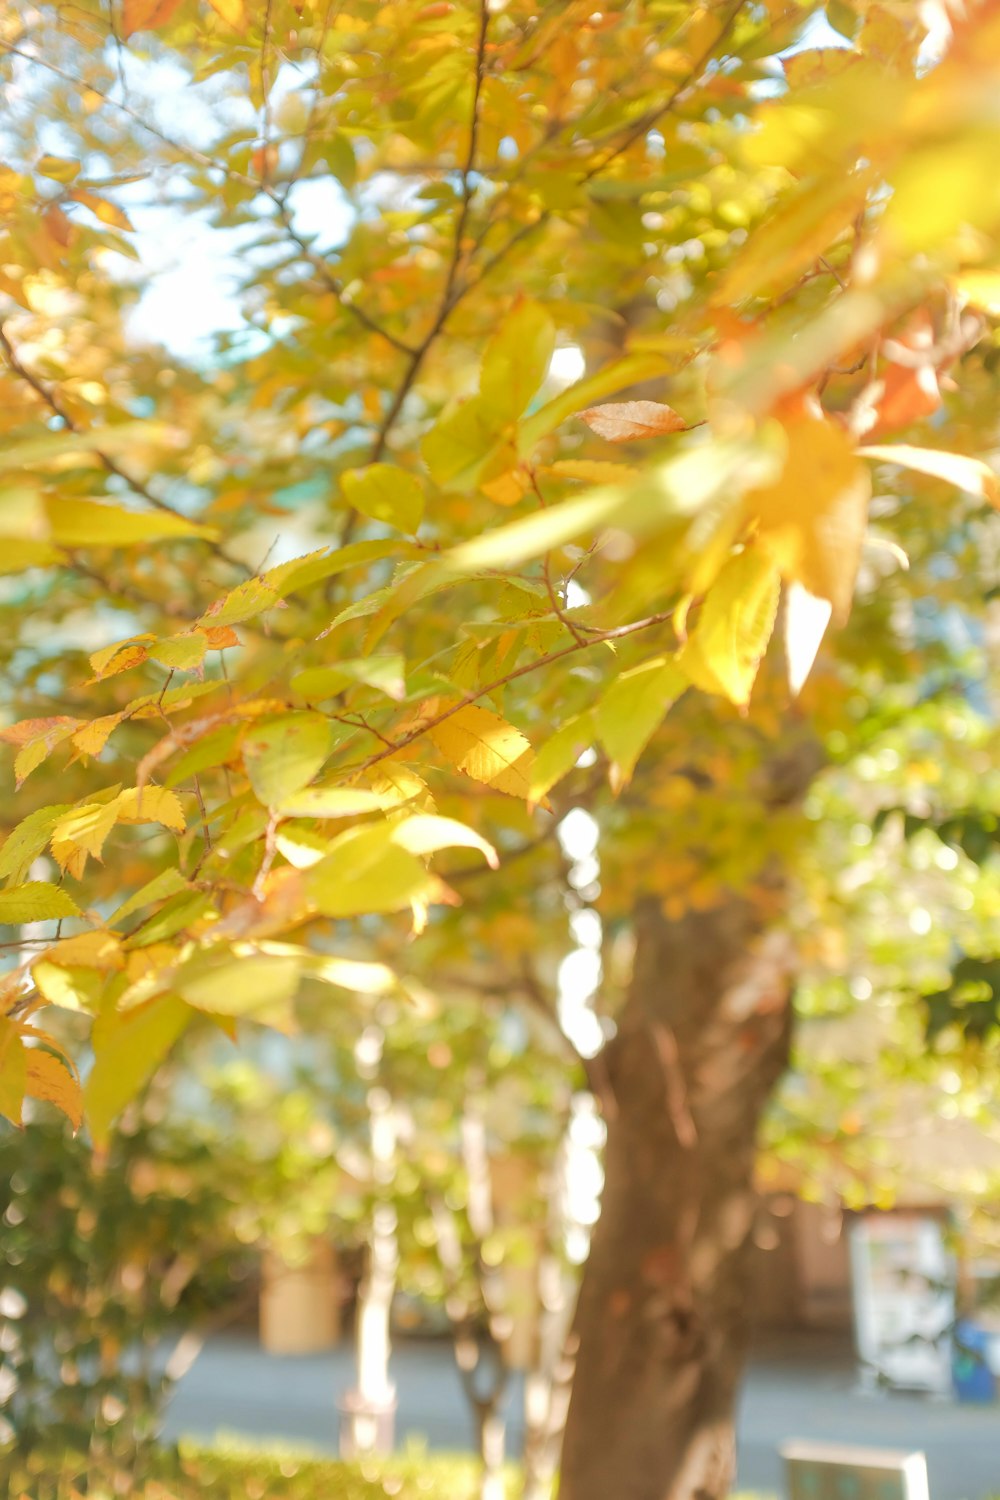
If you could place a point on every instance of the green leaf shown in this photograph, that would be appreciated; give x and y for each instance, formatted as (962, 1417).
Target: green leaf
(331, 802)
(725, 648)
(457, 448)
(338, 153)
(425, 833)
(383, 673)
(257, 986)
(128, 1047)
(516, 361)
(241, 603)
(88, 523)
(385, 493)
(167, 883)
(283, 755)
(26, 841)
(316, 567)
(632, 709)
(559, 755)
(180, 911)
(366, 871)
(181, 653)
(37, 901)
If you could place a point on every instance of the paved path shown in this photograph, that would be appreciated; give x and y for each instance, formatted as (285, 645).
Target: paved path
(233, 1387)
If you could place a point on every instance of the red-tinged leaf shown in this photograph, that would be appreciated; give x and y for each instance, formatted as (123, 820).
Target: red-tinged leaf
(27, 730)
(627, 421)
(907, 395)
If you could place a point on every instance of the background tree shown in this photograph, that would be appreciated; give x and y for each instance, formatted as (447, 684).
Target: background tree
(244, 785)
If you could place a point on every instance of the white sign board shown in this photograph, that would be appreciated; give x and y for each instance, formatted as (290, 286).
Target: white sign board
(904, 1299)
(830, 1471)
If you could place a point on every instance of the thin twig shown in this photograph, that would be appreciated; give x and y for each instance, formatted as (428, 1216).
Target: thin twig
(451, 295)
(620, 633)
(111, 465)
(652, 117)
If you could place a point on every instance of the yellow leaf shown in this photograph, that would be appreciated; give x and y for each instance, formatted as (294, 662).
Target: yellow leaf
(13, 1071)
(87, 950)
(72, 989)
(385, 493)
(632, 710)
(806, 619)
(119, 656)
(506, 489)
(486, 748)
(980, 289)
(330, 802)
(426, 834)
(108, 213)
(812, 520)
(92, 738)
(50, 1079)
(241, 603)
(724, 651)
(150, 804)
(59, 168)
(590, 471)
(231, 11)
(83, 830)
(968, 474)
(128, 1046)
(302, 847)
(89, 523)
(516, 361)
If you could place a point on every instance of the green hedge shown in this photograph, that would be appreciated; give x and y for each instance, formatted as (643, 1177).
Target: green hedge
(238, 1474)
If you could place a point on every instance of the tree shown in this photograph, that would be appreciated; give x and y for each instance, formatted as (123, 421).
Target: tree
(248, 766)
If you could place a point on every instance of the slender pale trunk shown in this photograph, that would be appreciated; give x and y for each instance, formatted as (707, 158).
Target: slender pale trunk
(369, 1408)
(662, 1321)
(547, 1383)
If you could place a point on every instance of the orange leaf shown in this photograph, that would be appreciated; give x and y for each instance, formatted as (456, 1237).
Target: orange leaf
(146, 15)
(907, 396)
(51, 1080)
(220, 636)
(625, 421)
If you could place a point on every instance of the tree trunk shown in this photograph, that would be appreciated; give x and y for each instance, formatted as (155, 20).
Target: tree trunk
(662, 1322)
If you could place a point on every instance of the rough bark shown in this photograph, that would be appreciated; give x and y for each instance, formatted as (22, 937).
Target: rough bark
(662, 1321)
